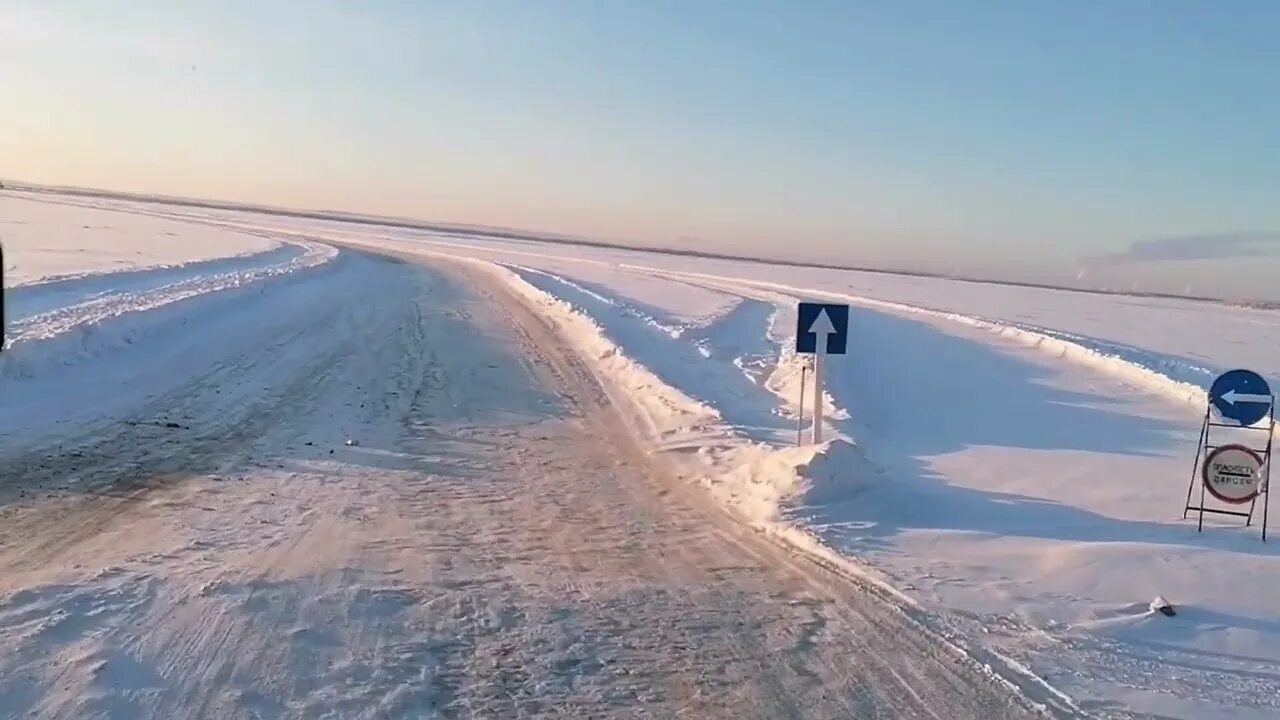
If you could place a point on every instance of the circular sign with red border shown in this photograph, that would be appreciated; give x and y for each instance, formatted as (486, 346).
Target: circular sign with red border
(1233, 474)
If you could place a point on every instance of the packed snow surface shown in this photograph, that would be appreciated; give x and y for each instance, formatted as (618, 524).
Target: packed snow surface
(1010, 468)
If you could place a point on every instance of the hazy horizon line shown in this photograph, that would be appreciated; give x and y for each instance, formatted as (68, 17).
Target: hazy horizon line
(510, 233)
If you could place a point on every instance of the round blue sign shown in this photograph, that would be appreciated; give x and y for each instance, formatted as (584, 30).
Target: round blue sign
(1241, 396)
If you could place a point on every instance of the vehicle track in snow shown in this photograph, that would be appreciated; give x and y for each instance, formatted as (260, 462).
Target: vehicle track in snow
(499, 544)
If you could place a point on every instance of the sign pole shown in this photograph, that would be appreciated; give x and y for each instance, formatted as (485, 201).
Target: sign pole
(817, 388)
(804, 370)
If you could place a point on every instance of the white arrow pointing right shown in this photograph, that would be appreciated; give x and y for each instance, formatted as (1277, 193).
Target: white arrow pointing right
(1232, 397)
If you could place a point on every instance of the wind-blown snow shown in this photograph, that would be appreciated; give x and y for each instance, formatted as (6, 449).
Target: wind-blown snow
(73, 308)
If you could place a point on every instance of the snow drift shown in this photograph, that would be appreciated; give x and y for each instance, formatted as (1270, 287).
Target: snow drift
(101, 318)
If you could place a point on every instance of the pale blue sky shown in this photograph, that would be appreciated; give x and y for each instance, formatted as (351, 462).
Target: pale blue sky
(1017, 137)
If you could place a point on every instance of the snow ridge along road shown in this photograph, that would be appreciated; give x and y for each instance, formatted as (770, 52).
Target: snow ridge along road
(495, 544)
(45, 311)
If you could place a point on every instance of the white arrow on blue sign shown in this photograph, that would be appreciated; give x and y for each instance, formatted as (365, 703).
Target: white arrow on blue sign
(1241, 396)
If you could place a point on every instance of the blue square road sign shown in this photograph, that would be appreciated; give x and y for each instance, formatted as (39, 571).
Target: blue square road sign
(822, 320)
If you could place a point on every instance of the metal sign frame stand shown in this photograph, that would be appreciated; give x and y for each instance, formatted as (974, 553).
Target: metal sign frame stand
(1266, 475)
(1204, 447)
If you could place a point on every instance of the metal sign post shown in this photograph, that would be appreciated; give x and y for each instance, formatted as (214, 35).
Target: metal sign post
(821, 329)
(3, 332)
(1234, 473)
(804, 369)
(817, 383)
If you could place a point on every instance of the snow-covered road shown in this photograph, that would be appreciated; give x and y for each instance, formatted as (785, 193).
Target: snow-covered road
(183, 528)
(495, 544)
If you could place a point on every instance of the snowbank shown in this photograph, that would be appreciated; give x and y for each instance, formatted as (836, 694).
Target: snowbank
(45, 241)
(665, 415)
(754, 479)
(1114, 365)
(1056, 346)
(71, 333)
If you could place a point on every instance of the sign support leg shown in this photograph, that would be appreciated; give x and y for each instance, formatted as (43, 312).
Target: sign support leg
(1266, 499)
(804, 370)
(1204, 439)
(1200, 524)
(817, 389)
(1266, 480)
